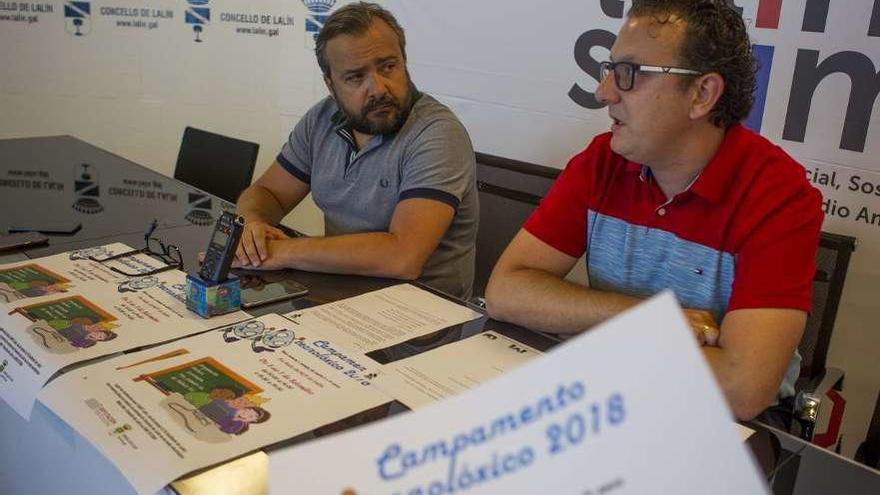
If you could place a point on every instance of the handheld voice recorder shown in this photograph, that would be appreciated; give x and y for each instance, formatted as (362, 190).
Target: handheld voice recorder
(221, 249)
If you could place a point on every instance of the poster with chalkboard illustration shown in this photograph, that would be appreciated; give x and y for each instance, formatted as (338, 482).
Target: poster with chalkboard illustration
(79, 269)
(209, 399)
(212, 397)
(30, 280)
(73, 307)
(64, 325)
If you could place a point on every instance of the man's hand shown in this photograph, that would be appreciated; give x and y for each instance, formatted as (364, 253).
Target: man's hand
(253, 249)
(263, 204)
(275, 249)
(704, 327)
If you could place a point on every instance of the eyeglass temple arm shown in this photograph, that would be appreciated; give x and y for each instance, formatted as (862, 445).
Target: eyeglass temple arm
(149, 233)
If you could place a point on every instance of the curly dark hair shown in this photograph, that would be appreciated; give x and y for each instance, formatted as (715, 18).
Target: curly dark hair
(715, 40)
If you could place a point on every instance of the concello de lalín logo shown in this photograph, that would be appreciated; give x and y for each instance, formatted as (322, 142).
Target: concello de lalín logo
(198, 14)
(319, 11)
(78, 18)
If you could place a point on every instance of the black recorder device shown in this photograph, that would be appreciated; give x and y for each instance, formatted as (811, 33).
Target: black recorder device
(221, 249)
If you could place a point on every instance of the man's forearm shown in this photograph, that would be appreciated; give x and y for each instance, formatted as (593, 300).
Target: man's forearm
(542, 301)
(743, 394)
(753, 355)
(257, 203)
(377, 254)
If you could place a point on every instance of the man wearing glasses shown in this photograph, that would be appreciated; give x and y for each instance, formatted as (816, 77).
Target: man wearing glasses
(678, 195)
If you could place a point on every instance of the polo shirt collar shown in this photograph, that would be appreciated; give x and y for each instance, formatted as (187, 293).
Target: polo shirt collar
(644, 171)
(716, 175)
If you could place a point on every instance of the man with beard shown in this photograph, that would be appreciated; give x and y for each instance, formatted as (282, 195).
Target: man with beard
(391, 168)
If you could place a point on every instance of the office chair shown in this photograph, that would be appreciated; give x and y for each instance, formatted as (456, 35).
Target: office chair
(818, 386)
(509, 190)
(217, 164)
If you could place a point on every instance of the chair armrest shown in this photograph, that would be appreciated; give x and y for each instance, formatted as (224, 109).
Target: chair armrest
(809, 399)
(478, 302)
(830, 378)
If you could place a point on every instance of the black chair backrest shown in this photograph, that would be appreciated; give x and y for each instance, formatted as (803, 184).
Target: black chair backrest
(509, 191)
(217, 164)
(832, 262)
(869, 451)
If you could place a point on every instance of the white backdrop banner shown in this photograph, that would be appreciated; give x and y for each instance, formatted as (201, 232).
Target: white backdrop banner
(521, 76)
(129, 75)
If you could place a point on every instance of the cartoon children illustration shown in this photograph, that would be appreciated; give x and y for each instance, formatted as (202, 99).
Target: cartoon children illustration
(231, 414)
(37, 288)
(67, 324)
(79, 332)
(86, 335)
(208, 399)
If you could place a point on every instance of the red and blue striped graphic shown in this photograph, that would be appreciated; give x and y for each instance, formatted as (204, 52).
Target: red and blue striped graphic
(768, 14)
(767, 18)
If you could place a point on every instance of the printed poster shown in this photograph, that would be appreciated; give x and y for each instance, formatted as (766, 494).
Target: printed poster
(61, 273)
(212, 397)
(69, 308)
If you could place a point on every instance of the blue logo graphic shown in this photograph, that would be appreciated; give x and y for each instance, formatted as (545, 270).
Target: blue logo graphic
(86, 190)
(200, 209)
(77, 17)
(319, 11)
(198, 14)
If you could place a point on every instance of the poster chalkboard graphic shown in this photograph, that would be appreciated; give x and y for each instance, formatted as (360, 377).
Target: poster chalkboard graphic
(206, 392)
(72, 320)
(30, 280)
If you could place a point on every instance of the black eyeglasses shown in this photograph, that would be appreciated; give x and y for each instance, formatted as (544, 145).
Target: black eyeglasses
(625, 72)
(166, 253)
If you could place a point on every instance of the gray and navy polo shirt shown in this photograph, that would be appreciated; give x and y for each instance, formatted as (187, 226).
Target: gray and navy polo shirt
(431, 157)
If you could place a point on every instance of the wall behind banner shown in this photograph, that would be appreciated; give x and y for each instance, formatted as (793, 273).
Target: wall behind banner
(129, 75)
(534, 67)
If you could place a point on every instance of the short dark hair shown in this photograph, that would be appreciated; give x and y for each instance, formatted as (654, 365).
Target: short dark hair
(715, 40)
(355, 19)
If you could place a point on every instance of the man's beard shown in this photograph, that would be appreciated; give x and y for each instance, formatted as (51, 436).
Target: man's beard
(391, 122)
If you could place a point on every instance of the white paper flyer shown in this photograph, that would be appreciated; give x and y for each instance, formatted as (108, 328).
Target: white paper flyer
(453, 368)
(66, 309)
(209, 398)
(629, 407)
(384, 317)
